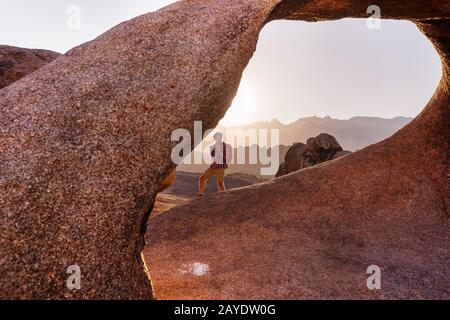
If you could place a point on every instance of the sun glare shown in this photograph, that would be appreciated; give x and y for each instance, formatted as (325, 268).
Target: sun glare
(243, 110)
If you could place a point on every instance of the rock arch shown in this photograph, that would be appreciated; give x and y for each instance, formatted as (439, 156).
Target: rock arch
(86, 142)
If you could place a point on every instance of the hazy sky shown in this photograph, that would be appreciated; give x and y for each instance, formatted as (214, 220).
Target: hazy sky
(341, 69)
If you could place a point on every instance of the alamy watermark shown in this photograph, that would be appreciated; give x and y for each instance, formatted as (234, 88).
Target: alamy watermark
(263, 147)
(74, 280)
(374, 21)
(73, 21)
(374, 280)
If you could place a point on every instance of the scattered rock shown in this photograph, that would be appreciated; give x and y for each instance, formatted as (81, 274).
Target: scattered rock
(319, 149)
(295, 157)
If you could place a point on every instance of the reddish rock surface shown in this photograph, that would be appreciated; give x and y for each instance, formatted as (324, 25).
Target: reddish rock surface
(16, 63)
(168, 181)
(341, 154)
(318, 149)
(313, 233)
(85, 145)
(165, 202)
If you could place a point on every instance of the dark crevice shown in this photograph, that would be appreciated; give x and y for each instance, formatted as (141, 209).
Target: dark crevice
(141, 242)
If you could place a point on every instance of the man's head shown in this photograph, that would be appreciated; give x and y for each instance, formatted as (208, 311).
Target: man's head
(218, 136)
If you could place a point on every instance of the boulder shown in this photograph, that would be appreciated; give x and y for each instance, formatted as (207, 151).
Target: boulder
(16, 63)
(321, 148)
(295, 156)
(318, 149)
(281, 170)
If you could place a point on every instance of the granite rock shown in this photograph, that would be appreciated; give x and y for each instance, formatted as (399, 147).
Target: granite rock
(85, 144)
(312, 234)
(318, 149)
(16, 63)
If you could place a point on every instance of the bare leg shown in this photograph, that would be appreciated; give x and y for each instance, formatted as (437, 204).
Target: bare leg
(202, 185)
(221, 185)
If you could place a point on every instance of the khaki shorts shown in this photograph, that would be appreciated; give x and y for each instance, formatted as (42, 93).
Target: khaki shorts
(218, 173)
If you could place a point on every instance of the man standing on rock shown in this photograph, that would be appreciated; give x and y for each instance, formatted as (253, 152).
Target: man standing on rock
(221, 153)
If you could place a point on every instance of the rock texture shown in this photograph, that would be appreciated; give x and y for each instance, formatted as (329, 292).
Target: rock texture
(341, 154)
(313, 233)
(16, 63)
(85, 145)
(168, 181)
(165, 202)
(318, 149)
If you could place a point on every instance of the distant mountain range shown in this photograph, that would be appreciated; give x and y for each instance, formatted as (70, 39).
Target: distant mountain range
(352, 134)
